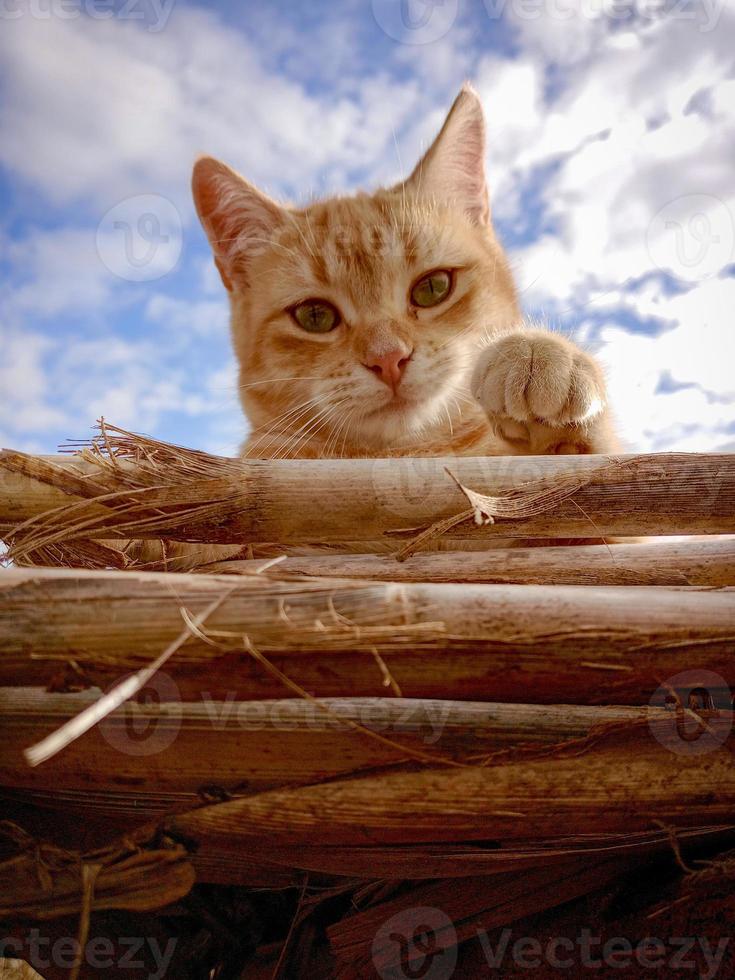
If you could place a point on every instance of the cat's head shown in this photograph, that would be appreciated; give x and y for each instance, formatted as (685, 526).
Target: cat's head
(357, 319)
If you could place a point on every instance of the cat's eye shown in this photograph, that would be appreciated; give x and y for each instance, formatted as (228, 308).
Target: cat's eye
(432, 288)
(316, 315)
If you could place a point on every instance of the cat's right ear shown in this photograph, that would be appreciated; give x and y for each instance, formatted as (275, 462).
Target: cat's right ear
(453, 168)
(238, 219)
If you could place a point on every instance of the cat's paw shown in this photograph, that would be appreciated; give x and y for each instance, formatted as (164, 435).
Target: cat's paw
(538, 377)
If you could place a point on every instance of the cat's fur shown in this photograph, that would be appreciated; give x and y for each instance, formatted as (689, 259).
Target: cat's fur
(477, 380)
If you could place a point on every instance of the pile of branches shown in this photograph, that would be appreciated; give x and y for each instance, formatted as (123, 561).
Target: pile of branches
(291, 702)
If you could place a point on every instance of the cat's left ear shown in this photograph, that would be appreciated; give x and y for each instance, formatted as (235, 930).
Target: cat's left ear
(452, 170)
(239, 220)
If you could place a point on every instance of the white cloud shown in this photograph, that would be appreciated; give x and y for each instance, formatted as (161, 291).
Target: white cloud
(693, 413)
(202, 317)
(24, 405)
(53, 272)
(513, 94)
(638, 182)
(53, 388)
(198, 86)
(619, 121)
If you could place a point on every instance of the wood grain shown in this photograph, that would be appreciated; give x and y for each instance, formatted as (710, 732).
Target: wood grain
(627, 781)
(566, 644)
(687, 562)
(368, 499)
(159, 754)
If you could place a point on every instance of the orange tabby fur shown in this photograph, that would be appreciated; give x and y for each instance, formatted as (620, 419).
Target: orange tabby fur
(476, 379)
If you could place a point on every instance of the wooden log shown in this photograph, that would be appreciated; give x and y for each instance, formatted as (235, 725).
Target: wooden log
(153, 756)
(216, 859)
(628, 780)
(369, 499)
(436, 915)
(551, 644)
(688, 562)
(451, 915)
(238, 862)
(229, 861)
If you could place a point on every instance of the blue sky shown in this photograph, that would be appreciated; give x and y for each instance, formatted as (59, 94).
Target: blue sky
(611, 143)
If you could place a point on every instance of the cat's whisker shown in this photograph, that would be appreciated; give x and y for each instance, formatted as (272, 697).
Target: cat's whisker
(456, 402)
(284, 418)
(322, 426)
(292, 410)
(336, 428)
(293, 413)
(341, 429)
(306, 430)
(310, 429)
(347, 429)
(449, 420)
(331, 444)
(269, 381)
(353, 416)
(361, 415)
(296, 420)
(342, 426)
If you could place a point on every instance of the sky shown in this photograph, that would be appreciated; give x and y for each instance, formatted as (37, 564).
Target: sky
(611, 151)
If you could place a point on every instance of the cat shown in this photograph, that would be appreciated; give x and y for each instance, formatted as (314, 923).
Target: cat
(388, 323)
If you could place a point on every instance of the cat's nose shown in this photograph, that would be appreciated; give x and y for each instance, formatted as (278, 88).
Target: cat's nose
(390, 367)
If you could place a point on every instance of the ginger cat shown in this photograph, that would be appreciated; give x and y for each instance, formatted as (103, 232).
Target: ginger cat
(388, 323)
